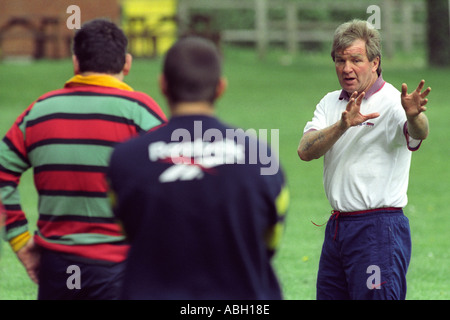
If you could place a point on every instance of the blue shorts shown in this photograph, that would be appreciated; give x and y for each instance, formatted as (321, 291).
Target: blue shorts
(67, 277)
(365, 256)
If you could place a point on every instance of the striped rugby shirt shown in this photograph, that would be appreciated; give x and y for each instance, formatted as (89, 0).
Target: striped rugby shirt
(67, 136)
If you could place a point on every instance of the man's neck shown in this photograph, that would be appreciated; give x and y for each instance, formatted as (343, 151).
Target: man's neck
(118, 76)
(192, 108)
(373, 88)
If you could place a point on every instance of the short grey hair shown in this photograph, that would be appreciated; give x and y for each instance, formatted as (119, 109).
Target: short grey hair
(351, 31)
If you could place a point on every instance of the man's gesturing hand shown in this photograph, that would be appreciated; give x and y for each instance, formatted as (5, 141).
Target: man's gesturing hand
(414, 103)
(352, 115)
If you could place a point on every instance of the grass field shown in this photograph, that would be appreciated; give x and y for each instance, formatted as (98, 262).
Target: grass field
(272, 95)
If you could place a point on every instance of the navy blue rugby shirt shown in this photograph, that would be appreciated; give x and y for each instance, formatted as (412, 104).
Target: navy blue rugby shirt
(202, 220)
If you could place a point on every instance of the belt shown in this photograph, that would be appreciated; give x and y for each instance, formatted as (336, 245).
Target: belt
(335, 214)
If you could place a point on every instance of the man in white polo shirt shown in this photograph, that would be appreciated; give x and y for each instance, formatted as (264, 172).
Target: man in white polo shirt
(366, 133)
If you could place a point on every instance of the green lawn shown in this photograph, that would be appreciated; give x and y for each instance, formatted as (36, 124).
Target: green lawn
(271, 95)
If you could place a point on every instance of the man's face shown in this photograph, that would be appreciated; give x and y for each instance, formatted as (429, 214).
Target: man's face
(354, 70)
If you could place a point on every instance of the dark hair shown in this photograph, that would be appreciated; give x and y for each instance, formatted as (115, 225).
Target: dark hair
(192, 69)
(100, 46)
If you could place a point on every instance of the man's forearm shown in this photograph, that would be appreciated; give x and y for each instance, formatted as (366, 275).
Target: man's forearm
(315, 144)
(418, 127)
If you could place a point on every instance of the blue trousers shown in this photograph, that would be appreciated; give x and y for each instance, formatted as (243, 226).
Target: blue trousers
(365, 256)
(66, 277)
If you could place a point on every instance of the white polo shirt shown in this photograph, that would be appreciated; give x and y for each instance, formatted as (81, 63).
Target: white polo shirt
(368, 167)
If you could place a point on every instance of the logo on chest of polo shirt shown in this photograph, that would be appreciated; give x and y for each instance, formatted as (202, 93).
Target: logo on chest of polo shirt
(367, 124)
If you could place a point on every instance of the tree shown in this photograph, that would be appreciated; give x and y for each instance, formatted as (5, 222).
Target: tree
(438, 31)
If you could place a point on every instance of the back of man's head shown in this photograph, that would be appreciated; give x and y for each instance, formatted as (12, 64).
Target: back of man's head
(100, 46)
(192, 70)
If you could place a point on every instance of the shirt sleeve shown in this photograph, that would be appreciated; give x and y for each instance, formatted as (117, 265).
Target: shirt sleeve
(279, 191)
(150, 115)
(13, 163)
(400, 122)
(275, 233)
(318, 121)
(412, 144)
(2, 221)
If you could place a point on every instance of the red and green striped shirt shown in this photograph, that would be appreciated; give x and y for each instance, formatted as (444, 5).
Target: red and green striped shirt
(67, 137)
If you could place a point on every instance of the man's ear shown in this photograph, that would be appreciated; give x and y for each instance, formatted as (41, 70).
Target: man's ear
(128, 62)
(162, 84)
(76, 64)
(376, 64)
(221, 87)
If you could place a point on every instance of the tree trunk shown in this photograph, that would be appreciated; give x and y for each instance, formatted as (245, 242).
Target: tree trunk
(438, 29)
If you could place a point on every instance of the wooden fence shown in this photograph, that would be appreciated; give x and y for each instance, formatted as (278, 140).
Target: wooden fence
(402, 21)
(39, 28)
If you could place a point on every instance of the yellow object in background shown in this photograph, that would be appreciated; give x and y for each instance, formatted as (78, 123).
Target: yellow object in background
(150, 26)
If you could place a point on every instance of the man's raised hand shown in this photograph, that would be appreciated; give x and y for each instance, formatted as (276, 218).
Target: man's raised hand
(352, 115)
(414, 103)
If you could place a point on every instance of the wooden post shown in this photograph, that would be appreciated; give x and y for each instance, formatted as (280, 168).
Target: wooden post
(291, 27)
(183, 16)
(408, 25)
(261, 27)
(387, 27)
(438, 37)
